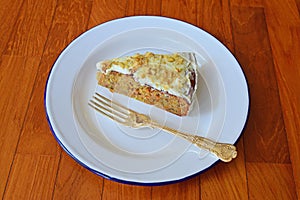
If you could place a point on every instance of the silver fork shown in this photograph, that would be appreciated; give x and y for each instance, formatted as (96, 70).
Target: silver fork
(131, 118)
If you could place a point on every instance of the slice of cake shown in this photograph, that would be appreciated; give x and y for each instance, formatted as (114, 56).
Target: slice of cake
(168, 81)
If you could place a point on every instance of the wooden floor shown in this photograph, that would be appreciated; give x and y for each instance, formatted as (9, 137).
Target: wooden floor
(264, 35)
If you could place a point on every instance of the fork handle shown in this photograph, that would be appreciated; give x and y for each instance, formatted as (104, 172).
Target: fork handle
(225, 152)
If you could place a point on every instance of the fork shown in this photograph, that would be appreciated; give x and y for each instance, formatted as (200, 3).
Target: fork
(127, 117)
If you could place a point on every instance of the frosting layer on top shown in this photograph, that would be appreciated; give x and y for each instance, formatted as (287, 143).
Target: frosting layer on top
(174, 73)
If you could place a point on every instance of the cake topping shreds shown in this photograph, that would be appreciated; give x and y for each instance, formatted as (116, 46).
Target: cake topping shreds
(172, 73)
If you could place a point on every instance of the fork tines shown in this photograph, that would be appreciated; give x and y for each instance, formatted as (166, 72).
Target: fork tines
(109, 108)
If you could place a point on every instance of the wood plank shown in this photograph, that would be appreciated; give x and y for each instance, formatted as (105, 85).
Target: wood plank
(217, 25)
(270, 181)
(228, 180)
(15, 87)
(284, 31)
(36, 137)
(185, 10)
(7, 20)
(70, 20)
(264, 136)
(285, 46)
(76, 182)
(106, 10)
(247, 3)
(31, 29)
(188, 189)
(138, 7)
(282, 13)
(114, 190)
(40, 183)
(298, 6)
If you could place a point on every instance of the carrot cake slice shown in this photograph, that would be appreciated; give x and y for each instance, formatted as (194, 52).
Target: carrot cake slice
(168, 81)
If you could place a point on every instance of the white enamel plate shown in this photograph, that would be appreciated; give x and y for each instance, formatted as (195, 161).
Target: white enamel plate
(144, 156)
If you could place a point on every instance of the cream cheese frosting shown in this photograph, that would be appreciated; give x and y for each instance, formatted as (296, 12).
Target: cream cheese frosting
(174, 73)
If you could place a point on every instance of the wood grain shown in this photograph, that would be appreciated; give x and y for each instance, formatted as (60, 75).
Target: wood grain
(265, 136)
(13, 105)
(283, 13)
(298, 5)
(7, 22)
(289, 90)
(185, 10)
(70, 20)
(189, 189)
(31, 28)
(38, 184)
(278, 186)
(113, 190)
(219, 25)
(228, 180)
(75, 182)
(285, 38)
(246, 3)
(103, 11)
(36, 138)
(150, 7)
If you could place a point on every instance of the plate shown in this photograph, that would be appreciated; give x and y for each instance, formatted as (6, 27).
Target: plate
(144, 156)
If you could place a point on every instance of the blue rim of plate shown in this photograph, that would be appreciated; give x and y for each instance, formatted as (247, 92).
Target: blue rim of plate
(97, 172)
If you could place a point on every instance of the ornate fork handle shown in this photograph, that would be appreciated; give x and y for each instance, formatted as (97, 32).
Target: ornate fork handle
(226, 152)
